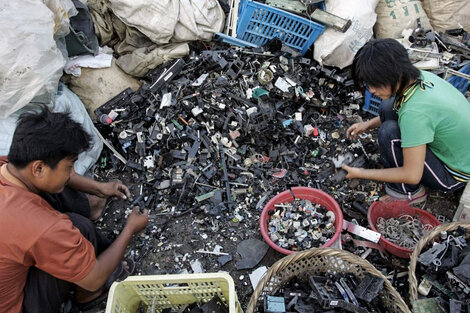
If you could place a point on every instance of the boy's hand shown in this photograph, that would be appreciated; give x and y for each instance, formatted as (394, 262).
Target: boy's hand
(353, 172)
(113, 188)
(137, 221)
(356, 129)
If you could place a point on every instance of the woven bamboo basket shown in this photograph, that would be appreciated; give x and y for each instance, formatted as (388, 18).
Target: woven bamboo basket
(428, 239)
(319, 261)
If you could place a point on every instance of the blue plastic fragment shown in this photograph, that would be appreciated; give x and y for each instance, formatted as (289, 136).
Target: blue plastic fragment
(459, 82)
(286, 123)
(274, 304)
(234, 41)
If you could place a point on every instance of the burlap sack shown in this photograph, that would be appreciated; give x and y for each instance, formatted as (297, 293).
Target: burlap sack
(97, 86)
(448, 14)
(393, 16)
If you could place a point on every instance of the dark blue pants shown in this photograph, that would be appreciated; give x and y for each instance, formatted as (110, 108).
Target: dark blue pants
(435, 176)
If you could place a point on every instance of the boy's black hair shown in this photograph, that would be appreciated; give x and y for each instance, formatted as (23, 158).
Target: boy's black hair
(383, 62)
(47, 136)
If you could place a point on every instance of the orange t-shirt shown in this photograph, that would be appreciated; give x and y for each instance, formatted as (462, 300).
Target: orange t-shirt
(32, 233)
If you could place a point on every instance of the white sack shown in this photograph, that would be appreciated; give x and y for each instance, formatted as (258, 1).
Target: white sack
(335, 48)
(155, 18)
(30, 63)
(7, 128)
(165, 21)
(198, 20)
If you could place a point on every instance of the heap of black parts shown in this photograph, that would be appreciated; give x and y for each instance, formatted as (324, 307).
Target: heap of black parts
(226, 128)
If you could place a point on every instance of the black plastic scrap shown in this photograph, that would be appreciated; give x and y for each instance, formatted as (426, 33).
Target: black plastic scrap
(252, 252)
(204, 134)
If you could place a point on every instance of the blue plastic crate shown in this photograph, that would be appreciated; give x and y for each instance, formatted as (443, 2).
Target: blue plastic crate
(233, 41)
(258, 23)
(371, 103)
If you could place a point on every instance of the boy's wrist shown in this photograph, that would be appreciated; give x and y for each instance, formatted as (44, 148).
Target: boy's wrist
(127, 231)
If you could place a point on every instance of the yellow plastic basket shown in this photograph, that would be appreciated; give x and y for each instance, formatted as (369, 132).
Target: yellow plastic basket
(175, 291)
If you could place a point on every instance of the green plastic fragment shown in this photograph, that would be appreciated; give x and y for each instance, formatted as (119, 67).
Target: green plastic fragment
(430, 305)
(440, 287)
(258, 92)
(205, 196)
(104, 162)
(177, 125)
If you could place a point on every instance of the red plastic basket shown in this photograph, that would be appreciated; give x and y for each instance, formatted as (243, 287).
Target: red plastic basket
(307, 193)
(395, 209)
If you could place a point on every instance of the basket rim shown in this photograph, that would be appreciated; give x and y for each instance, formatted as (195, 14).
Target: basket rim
(412, 279)
(346, 256)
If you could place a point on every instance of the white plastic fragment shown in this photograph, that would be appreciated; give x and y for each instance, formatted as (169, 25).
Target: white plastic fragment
(196, 111)
(196, 266)
(282, 84)
(166, 100)
(331, 216)
(257, 275)
(200, 80)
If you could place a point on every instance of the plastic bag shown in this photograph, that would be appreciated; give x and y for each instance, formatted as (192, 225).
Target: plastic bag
(62, 10)
(30, 63)
(66, 101)
(338, 49)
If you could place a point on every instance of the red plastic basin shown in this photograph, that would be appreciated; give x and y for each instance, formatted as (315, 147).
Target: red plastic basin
(307, 193)
(395, 209)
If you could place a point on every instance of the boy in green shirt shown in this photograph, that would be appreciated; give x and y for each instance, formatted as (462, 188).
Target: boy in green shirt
(424, 131)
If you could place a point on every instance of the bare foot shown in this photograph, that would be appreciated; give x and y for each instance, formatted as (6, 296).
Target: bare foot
(97, 205)
(417, 198)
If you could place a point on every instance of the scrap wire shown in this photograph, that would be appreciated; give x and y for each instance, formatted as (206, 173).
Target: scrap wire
(362, 148)
(405, 231)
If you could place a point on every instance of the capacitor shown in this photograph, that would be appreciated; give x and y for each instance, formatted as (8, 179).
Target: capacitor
(443, 235)
(105, 119)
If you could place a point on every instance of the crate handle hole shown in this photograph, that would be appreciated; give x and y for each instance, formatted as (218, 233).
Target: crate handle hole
(172, 285)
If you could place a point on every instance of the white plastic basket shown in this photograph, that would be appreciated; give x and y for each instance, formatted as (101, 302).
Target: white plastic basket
(175, 291)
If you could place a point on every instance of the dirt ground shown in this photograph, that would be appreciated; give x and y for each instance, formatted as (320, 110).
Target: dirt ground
(169, 244)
